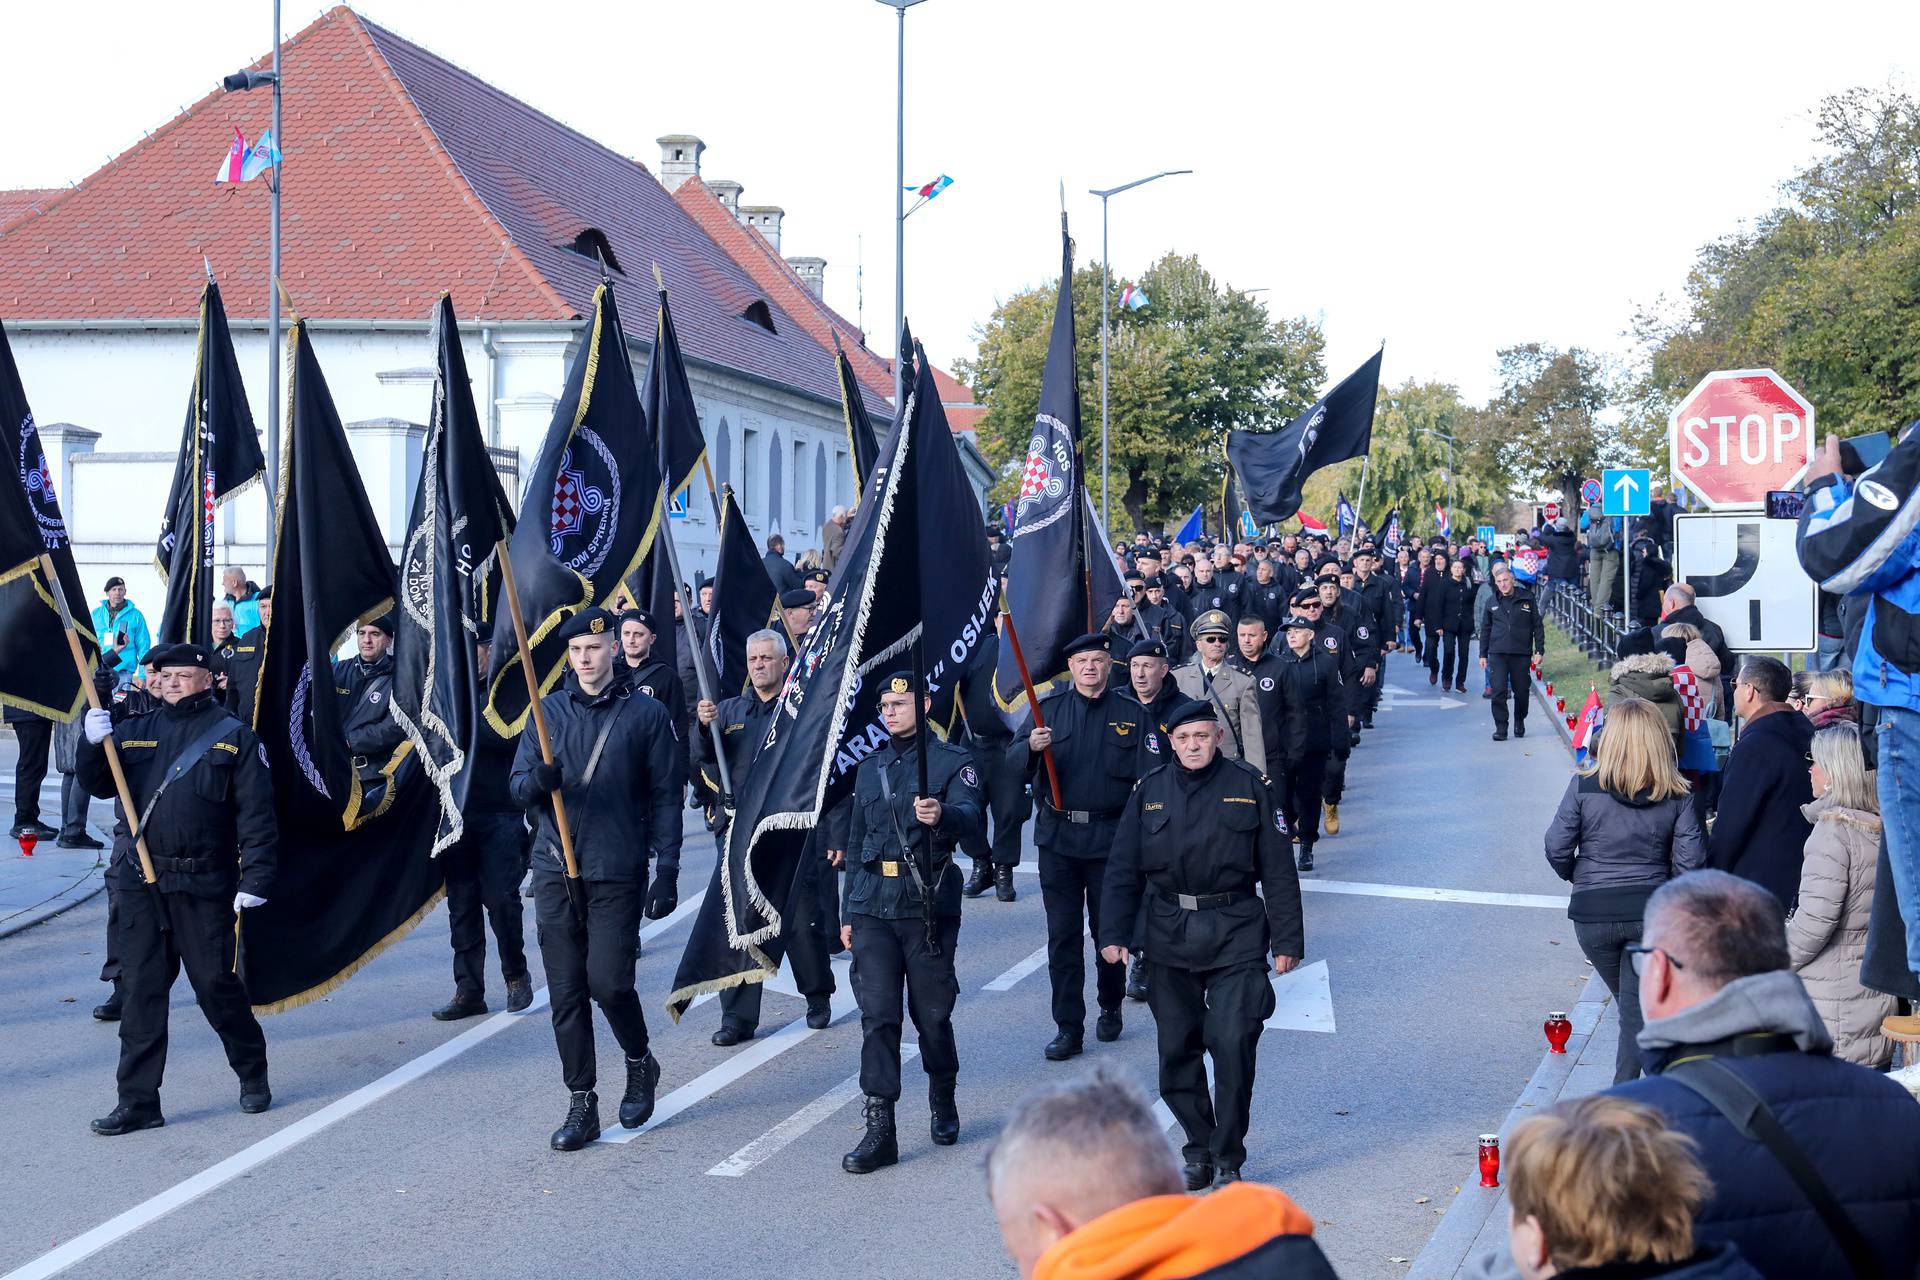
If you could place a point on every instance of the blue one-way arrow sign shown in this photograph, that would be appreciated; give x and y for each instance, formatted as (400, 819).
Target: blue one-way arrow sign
(1626, 492)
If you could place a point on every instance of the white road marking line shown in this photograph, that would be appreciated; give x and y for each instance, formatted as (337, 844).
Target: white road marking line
(1163, 1113)
(1006, 981)
(154, 1208)
(782, 1135)
(759, 1052)
(1421, 893)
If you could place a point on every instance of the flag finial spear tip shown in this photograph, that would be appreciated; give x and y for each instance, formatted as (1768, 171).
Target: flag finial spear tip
(207, 262)
(659, 281)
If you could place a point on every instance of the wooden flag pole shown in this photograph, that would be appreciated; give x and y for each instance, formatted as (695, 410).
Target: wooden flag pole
(575, 895)
(59, 594)
(1033, 705)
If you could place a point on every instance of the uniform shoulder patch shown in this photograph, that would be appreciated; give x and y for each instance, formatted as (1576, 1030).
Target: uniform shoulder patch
(1266, 684)
(970, 776)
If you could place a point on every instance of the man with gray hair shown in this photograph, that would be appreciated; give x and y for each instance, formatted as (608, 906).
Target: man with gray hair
(833, 538)
(1082, 1173)
(1811, 1157)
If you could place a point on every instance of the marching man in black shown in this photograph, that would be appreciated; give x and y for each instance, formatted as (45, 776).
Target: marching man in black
(1096, 734)
(204, 801)
(1197, 836)
(364, 684)
(900, 849)
(616, 764)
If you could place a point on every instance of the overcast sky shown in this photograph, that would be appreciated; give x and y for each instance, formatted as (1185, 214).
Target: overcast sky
(1449, 178)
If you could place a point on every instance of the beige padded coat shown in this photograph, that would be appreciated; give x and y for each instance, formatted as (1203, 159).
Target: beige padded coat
(1827, 933)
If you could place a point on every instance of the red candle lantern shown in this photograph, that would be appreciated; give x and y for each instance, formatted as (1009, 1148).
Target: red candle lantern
(27, 841)
(1489, 1159)
(1560, 704)
(1549, 687)
(1558, 1030)
(1571, 721)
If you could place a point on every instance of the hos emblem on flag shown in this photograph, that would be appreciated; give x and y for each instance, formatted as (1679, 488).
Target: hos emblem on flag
(36, 481)
(585, 516)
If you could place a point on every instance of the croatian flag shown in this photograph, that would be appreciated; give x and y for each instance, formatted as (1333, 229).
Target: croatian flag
(1133, 298)
(1587, 725)
(1311, 525)
(233, 168)
(1441, 522)
(928, 190)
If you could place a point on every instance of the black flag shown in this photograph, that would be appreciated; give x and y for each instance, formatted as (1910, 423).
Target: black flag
(35, 674)
(1390, 536)
(744, 600)
(592, 507)
(219, 457)
(1273, 465)
(1047, 577)
(863, 446)
(353, 873)
(1230, 507)
(666, 398)
(449, 578)
(915, 569)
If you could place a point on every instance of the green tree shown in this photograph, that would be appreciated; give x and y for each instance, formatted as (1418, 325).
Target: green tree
(1199, 360)
(1543, 420)
(1824, 288)
(1413, 464)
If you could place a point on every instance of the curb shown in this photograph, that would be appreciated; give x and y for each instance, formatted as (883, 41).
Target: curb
(1559, 721)
(60, 903)
(1447, 1248)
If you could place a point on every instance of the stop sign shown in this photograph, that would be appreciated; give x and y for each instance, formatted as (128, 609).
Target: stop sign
(1738, 434)
(1552, 512)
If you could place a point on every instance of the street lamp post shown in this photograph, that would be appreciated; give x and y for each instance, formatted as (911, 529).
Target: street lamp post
(1434, 431)
(241, 82)
(899, 197)
(1104, 291)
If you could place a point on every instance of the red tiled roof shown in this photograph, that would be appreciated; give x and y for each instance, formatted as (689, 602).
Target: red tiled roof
(405, 176)
(758, 258)
(963, 412)
(24, 202)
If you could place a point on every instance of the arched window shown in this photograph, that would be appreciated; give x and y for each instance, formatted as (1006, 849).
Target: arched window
(723, 453)
(820, 482)
(775, 469)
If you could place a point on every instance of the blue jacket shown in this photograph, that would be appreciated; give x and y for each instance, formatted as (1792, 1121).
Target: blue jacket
(1862, 538)
(138, 641)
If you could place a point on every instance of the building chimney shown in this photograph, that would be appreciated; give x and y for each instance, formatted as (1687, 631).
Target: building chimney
(812, 273)
(764, 218)
(679, 158)
(729, 193)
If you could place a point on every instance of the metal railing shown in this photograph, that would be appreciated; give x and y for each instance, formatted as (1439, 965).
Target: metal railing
(1597, 631)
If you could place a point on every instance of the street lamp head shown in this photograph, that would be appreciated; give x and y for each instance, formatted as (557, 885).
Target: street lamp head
(241, 81)
(902, 5)
(1128, 186)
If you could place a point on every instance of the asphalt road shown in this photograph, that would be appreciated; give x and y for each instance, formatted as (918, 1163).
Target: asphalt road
(399, 1146)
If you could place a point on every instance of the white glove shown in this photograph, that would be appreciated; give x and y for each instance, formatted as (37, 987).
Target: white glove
(98, 726)
(243, 900)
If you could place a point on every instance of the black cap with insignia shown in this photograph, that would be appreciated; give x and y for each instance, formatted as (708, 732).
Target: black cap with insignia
(593, 621)
(798, 598)
(640, 616)
(1187, 712)
(1296, 622)
(1148, 649)
(1092, 642)
(819, 575)
(898, 682)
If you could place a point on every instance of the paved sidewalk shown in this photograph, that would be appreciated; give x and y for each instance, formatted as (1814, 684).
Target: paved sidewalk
(52, 880)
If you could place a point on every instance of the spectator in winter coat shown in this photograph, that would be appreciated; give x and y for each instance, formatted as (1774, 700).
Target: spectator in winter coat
(1703, 662)
(1677, 606)
(1827, 933)
(1651, 578)
(1761, 833)
(1563, 551)
(1649, 677)
(1599, 1187)
(1830, 699)
(1625, 827)
(1699, 762)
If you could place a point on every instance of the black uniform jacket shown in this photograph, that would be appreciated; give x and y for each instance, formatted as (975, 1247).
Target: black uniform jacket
(1269, 602)
(872, 847)
(661, 683)
(1380, 602)
(1456, 606)
(1362, 636)
(1313, 704)
(631, 809)
(366, 711)
(219, 814)
(1097, 750)
(742, 722)
(1268, 693)
(243, 656)
(1154, 748)
(1514, 624)
(1211, 831)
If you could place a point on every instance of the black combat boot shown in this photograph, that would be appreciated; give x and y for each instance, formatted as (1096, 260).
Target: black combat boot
(110, 1011)
(582, 1124)
(1199, 1174)
(981, 880)
(1066, 1045)
(946, 1116)
(643, 1076)
(255, 1096)
(819, 1012)
(1224, 1174)
(465, 1004)
(1304, 861)
(128, 1117)
(1106, 1028)
(519, 993)
(880, 1147)
(1137, 978)
(1003, 883)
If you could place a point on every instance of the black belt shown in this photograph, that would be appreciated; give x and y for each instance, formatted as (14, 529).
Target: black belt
(1204, 901)
(190, 866)
(1084, 816)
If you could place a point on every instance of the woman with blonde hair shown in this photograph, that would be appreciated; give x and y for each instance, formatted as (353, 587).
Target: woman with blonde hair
(1827, 932)
(1830, 699)
(1625, 827)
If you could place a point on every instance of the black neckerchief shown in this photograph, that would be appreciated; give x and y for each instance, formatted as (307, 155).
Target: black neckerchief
(1191, 780)
(585, 699)
(191, 705)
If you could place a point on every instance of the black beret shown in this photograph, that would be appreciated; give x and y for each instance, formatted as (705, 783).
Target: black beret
(1304, 597)
(265, 593)
(1327, 572)
(640, 616)
(384, 622)
(898, 682)
(1092, 642)
(114, 582)
(178, 655)
(1134, 575)
(592, 621)
(1297, 621)
(1148, 649)
(1187, 712)
(798, 598)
